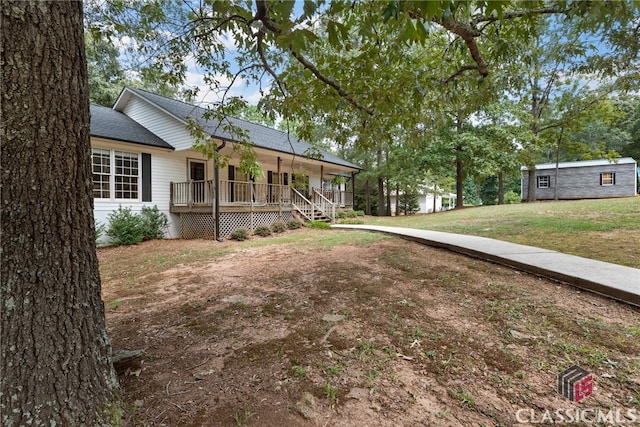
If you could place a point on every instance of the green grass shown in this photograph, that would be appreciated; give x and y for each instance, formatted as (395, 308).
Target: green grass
(607, 230)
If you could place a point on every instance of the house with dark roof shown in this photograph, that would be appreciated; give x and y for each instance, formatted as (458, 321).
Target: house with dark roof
(586, 179)
(143, 155)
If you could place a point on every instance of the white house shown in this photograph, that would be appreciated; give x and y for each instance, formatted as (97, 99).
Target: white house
(426, 202)
(143, 155)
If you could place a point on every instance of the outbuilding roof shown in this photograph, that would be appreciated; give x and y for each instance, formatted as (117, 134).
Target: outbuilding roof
(259, 135)
(583, 163)
(112, 124)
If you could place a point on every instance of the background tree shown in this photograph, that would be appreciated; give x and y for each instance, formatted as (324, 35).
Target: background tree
(106, 76)
(364, 69)
(55, 353)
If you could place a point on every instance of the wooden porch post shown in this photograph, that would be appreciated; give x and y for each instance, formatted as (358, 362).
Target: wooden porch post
(279, 189)
(321, 178)
(353, 190)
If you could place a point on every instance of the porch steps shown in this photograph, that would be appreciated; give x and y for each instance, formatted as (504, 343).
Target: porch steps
(317, 215)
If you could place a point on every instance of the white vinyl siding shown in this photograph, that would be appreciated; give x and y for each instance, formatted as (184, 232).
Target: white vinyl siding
(157, 121)
(166, 167)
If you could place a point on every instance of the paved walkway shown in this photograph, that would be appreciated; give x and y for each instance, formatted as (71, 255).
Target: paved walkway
(612, 280)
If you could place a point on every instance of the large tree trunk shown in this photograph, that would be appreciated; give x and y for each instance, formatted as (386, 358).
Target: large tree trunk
(55, 364)
(459, 182)
(500, 188)
(381, 204)
(531, 187)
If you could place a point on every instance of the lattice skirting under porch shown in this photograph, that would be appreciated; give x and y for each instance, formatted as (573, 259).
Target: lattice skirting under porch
(201, 225)
(196, 226)
(232, 221)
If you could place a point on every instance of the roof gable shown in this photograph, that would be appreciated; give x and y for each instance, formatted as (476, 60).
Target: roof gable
(260, 136)
(112, 124)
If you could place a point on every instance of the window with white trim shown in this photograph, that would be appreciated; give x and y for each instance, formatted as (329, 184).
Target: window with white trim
(543, 181)
(607, 178)
(116, 174)
(101, 168)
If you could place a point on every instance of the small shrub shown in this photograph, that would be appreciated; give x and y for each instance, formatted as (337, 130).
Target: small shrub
(511, 197)
(125, 227)
(341, 214)
(359, 213)
(240, 235)
(278, 227)
(318, 224)
(262, 231)
(292, 224)
(155, 223)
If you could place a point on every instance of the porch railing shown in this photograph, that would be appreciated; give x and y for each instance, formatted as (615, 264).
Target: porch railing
(340, 198)
(197, 193)
(257, 193)
(192, 193)
(201, 193)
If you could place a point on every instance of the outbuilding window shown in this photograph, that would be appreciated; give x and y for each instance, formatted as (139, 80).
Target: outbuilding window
(543, 181)
(608, 178)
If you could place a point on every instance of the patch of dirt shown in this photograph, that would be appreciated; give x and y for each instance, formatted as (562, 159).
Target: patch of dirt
(411, 335)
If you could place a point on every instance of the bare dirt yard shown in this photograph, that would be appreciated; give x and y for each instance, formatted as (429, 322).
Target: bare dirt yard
(375, 332)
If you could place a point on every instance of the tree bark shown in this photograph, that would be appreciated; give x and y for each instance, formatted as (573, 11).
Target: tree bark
(531, 187)
(55, 364)
(381, 207)
(500, 188)
(459, 181)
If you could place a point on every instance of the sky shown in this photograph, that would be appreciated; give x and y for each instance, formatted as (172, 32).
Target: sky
(241, 87)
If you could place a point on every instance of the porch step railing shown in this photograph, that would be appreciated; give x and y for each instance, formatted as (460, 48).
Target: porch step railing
(324, 205)
(317, 209)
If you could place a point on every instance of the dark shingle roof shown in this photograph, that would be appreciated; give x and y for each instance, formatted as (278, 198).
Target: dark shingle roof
(259, 135)
(112, 124)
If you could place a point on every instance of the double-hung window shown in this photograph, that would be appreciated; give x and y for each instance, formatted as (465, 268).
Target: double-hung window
(607, 178)
(116, 174)
(543, 181)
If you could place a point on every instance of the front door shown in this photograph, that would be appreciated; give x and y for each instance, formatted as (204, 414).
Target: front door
(197, 174)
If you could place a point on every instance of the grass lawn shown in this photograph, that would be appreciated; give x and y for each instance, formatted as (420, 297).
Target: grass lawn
(333, 327)
(607, 230)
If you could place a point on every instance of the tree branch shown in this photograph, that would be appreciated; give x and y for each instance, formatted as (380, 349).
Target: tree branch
(520, 14)
(460, 71)
(262, 15)
(343, 93)
(265, 64)
(468, 34)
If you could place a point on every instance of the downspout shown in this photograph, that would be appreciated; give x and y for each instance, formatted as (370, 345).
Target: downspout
(216, 177)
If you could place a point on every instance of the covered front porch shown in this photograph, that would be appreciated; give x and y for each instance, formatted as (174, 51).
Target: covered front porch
(312, 203)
